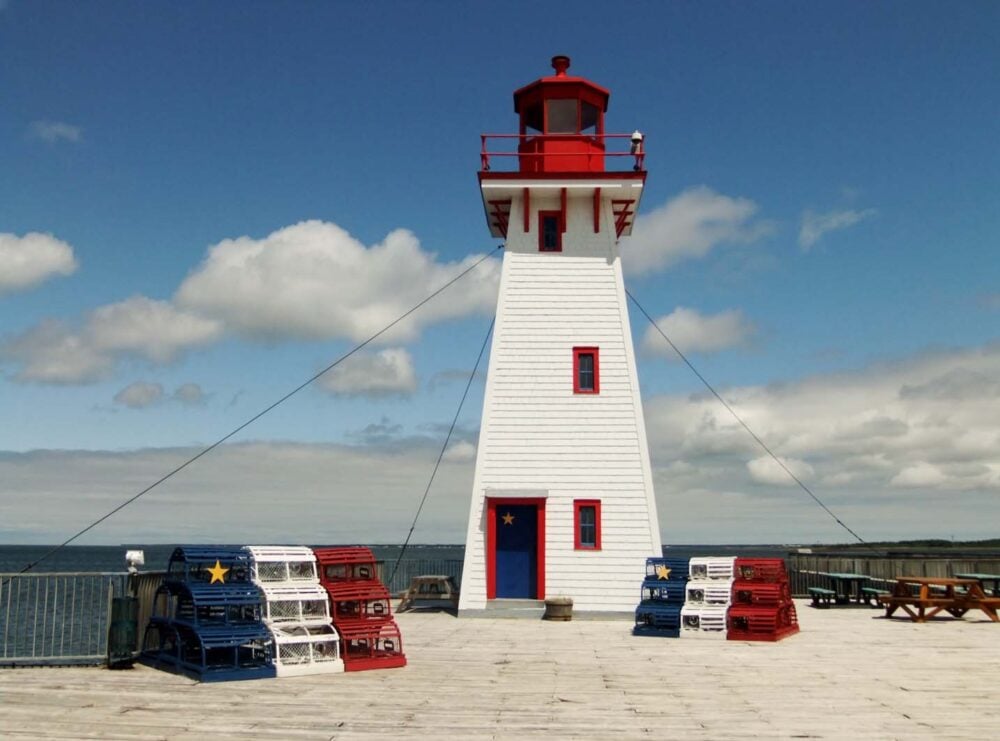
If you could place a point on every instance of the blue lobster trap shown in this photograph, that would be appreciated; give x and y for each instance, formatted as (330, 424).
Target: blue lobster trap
(209, 653)
(667, 569)
(211, 564)
(657, 619)
(207, 618)
(656, 590)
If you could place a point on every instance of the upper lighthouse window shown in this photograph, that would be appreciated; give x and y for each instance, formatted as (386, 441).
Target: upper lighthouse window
(589, 116)
(533, 118)
(549, 231)
(562, 116)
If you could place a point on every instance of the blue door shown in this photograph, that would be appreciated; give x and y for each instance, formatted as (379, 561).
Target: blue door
(517, 551)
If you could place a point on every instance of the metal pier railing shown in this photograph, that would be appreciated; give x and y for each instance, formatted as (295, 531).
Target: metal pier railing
(56, 618)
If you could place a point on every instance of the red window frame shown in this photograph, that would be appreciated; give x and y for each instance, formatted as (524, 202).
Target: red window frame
(542, 215)
(577, 352)
(578, 505)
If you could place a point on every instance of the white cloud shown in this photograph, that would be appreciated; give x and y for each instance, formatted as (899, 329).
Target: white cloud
(309, 281)
(54, 131)
(898, 449)
(814, 225)
(388, 372)
(244, 493)
(190, 394)
(460, 452)
(140, 395)
(29, 260)
(155, 330)
(51, 353)
(54, 353)
(693, 332)
(919, 475)
(689, 226)
(314, 281)
(766, 470)
(891, 463)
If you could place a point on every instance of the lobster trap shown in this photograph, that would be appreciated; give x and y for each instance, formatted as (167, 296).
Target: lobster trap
(717, 567)
(761, 623)
(306, 649)
(709, 592)
(372, 646)
(657, 619)
(340, 564)
(762, 570)
(703, 621)
(269, 564)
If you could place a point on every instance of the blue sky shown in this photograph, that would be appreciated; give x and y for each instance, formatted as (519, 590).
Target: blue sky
(820, 233)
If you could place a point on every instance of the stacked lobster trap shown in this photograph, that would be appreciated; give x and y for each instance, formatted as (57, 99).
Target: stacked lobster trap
(207, 618)
(296, 610)
(659, 610)
(762, 607)
(707, 597)
(360, 608)
(740, 599)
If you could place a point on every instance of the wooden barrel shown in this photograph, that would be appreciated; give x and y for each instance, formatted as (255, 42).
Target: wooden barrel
(558, 608)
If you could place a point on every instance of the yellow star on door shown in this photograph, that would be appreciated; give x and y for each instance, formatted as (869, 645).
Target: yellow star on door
(662, 572)
(508, 519)
(218, 573)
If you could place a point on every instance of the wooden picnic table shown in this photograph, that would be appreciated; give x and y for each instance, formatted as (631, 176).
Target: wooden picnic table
(846, 586)
(986, 581)
(934, 594)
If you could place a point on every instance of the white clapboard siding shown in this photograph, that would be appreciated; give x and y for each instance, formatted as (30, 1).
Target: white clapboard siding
(538, 436)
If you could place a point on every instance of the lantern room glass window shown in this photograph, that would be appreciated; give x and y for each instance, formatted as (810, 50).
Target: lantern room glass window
(587, 524)
(562, 116)
(586, 370)
(590, 115)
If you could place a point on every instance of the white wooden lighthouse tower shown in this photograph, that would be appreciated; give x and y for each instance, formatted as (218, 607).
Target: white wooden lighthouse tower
(562, 502)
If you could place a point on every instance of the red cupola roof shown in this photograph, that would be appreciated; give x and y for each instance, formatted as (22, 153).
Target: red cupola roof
(561, 85)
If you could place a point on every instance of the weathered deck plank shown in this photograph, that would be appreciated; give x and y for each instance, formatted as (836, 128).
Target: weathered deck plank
(848, 673)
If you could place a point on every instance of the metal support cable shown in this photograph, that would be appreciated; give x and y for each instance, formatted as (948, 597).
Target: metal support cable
(444, 447)
(743, 424)
(260, 414)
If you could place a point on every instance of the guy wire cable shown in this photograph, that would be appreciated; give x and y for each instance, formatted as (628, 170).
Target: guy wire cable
(745, 426)
(447, 438)
(260, 414)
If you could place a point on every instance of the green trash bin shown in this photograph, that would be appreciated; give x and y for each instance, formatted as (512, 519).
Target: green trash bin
(122, 632)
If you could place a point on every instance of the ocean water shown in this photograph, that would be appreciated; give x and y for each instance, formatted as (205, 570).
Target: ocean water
(111, 558)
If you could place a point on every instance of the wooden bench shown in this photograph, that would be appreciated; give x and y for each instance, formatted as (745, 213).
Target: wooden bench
(871, 595)
(821, 597)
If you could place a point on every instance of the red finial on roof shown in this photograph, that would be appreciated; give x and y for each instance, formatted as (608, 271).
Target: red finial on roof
(560, 64)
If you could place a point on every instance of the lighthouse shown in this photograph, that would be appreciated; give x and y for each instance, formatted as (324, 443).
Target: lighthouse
(562, 502)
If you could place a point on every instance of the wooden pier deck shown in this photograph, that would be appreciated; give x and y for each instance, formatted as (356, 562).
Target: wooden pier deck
(848, 674)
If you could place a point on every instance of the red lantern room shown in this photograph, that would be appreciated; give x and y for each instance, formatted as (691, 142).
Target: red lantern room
(561, 149)
(562, 123)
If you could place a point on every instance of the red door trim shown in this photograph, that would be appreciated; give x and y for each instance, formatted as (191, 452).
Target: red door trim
(491, 544)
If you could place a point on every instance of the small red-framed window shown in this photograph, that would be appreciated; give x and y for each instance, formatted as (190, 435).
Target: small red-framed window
(550, 231)
(586, 370)
(587, 524)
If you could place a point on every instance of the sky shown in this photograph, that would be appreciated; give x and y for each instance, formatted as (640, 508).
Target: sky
(202, 205)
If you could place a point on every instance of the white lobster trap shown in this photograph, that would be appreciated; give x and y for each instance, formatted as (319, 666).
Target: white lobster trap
(709, 592)
(295, 604)
(703, 621)
(271, 563)
(306, 649)
(716, 567)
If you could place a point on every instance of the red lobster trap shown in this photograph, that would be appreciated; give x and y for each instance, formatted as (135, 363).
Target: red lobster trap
(761, 623)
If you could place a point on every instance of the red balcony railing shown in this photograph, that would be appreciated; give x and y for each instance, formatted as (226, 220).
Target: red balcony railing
(554, 153)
